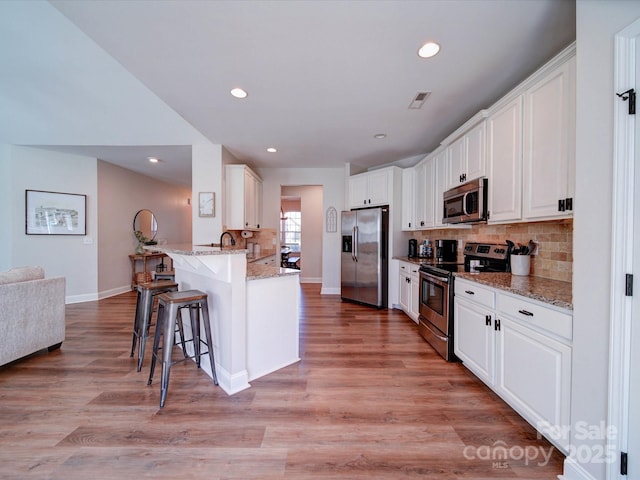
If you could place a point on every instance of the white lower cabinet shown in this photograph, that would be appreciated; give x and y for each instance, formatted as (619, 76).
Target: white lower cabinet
(409, 296)
(404, 283)
(474, 341)
(521, 349)
(414, 306)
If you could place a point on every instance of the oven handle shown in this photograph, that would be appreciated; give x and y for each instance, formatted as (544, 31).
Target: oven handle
(434, 279)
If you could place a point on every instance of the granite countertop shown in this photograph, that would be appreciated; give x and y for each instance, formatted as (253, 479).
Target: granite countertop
(188, 249)
(416, 260)
(553, 292)
(254, 271)
(257, 271)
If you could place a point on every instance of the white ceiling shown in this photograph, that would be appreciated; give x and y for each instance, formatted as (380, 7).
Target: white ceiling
(324, 76)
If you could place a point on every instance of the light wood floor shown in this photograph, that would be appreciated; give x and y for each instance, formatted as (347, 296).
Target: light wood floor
(370, 399)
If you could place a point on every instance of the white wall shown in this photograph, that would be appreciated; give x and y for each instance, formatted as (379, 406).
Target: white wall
(6, 208)
(59, 255)
(206, 176)
(332, 181)
(121, 193)
(312, 212)
(597, 23)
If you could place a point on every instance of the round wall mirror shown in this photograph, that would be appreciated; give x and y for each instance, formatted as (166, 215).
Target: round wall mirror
(145, 222)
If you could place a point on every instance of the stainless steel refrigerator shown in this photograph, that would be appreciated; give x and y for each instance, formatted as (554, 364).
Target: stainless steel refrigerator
(364, 256)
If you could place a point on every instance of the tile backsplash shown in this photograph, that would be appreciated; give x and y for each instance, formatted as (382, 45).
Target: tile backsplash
(554, 258)
(264, 237)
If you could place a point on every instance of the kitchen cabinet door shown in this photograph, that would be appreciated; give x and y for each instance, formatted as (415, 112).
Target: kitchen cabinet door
(549, 139)
(379, 187)
(405, 287)
(424, 194)
(504, 145)
(358, 191)
(243, 198)
(467, 156)
(457, 159)
(539, 390)
(474, 340)
(414, 305)
(440, 164)
(408, 199)
(476, 152)
(370, 189)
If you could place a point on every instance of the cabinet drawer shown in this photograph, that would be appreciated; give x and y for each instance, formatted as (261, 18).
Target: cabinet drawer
(534, 314)
(474, 292)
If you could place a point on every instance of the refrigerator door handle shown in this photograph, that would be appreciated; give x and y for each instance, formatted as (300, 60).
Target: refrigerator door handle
(355, 243)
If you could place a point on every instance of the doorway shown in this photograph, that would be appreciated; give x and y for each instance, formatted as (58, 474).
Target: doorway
(301, 230)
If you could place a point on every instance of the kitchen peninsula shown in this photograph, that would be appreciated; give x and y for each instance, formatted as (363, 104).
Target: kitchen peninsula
(253, 310)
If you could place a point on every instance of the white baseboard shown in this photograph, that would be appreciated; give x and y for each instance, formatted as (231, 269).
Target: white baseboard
(87, 297)
(114, 291)
(91, 297)
(574, 471)
(329, 291)
(310, 280)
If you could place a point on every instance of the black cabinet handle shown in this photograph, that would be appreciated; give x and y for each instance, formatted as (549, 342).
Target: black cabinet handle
(568, 203)
(469, 292)
(497, 325)
(561, 205)
(487, 320)
(525, 312)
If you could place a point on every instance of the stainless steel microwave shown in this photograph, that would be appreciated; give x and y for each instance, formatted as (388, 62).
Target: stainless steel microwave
(466, 203)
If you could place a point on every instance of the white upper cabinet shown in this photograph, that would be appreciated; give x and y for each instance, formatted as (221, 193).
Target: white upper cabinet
(408, 199)
(243, 198)
(504, 145)
(549, 139)
(424, 194)
(467, 156)
(440, 165)
(371, 188)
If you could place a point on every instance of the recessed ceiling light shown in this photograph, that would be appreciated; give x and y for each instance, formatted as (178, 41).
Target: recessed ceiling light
(272, 150)
(153, 159)
(238, 93)
(380, 135)
(428, 50)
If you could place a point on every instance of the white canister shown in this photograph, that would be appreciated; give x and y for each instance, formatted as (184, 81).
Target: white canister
(520, 264)
(256, 250)
(250, 249)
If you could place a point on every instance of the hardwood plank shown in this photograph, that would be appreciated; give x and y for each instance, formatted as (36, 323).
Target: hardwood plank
(369, 399)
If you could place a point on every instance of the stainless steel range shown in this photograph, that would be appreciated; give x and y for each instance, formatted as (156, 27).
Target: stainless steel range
(436, 291)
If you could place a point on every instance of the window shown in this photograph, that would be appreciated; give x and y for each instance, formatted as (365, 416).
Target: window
(291, 230)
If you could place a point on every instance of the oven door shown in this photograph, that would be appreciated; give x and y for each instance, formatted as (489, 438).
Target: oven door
(434, 300)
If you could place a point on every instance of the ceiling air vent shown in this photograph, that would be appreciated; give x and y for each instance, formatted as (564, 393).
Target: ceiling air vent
(418, 100)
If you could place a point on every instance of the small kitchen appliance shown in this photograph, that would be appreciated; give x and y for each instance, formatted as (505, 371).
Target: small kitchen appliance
(446, 250)
(413, 248)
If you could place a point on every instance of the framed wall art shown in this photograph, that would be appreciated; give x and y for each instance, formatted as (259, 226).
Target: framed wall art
(55, 213)
(207, 204)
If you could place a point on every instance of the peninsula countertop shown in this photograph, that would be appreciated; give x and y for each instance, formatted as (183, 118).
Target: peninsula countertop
(254, 271)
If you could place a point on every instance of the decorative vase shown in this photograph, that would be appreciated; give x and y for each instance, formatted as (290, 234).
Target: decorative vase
(139, 248)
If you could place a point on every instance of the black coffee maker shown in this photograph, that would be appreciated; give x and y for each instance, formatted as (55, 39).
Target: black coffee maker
(446, 250)
(413, 248)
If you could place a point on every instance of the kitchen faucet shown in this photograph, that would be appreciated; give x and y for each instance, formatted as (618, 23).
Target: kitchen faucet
(233, 241)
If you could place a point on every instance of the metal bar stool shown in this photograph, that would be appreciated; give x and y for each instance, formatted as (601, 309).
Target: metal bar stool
(169, 306)
(144, 310)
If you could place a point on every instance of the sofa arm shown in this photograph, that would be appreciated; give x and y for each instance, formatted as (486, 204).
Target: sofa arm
(32, 317)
